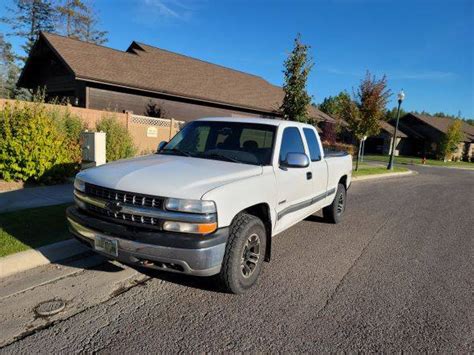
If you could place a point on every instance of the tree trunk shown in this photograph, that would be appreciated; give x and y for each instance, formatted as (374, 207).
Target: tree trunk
(358, 155)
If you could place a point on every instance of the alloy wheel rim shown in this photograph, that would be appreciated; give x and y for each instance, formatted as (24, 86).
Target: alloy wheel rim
(340, 204)
(250, 255)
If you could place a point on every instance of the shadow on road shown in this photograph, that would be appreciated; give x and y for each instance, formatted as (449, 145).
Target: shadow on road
(203, 283)
(318, 219)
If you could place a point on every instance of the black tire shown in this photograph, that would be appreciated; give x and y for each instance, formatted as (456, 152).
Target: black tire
(335, 211)
(244, 254)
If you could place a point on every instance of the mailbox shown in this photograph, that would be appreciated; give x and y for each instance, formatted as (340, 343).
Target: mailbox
(93, 149)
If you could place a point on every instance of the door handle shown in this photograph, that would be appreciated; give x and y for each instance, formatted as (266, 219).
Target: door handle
(309, 175)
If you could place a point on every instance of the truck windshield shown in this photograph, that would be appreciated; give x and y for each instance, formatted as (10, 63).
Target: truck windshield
(238, 142)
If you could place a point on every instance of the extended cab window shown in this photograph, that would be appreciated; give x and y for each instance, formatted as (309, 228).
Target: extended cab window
(291, 142)
(313, 144)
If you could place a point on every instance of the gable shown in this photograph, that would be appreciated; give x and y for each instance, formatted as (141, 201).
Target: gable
(44, 66)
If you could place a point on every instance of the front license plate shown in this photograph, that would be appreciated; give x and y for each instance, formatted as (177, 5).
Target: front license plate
(106, 245)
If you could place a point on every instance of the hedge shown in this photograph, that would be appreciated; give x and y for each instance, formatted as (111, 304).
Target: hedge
(36, 145)
(119, 143)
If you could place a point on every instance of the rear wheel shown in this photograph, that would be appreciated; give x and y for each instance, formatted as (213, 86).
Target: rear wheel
(245, 251)
(335, 211)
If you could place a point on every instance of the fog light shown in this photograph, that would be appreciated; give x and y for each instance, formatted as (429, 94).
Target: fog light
(198, 228)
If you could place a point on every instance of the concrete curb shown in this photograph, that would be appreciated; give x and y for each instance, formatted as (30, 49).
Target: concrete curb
(384, 176)
(29, 259)
(444, 167)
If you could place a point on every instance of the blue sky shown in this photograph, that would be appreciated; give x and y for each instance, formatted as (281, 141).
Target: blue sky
(424, 47)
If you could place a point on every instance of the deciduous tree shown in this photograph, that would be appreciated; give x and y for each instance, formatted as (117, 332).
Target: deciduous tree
(297, 68)
(366, 108)
(332, 105)
(329, 133)
(392, 114)
(451, 140)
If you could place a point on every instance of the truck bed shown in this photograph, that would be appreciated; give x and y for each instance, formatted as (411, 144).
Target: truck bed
(334, 153)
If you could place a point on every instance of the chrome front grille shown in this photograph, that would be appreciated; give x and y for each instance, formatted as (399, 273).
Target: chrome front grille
(127, 217)
(125, 198)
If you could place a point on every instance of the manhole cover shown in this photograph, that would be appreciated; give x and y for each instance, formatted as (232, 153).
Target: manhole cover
(49, 308)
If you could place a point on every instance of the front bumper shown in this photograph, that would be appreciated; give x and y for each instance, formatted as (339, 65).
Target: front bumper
(176, 252)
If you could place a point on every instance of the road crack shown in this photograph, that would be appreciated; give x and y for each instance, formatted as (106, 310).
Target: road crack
(344, 277)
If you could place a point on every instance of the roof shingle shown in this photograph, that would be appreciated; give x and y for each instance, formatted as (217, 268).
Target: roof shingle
(153, 69)
(387, 127)
(442, 124)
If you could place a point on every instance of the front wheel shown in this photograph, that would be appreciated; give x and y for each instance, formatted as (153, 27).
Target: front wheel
(245, 251)
(335, 211)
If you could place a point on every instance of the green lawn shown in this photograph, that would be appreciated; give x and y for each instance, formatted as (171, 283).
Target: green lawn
(417, 160)
(32, 228)
(372, 170)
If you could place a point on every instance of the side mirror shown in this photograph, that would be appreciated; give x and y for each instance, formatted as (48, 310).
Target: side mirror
(295, 160)
(161, 146)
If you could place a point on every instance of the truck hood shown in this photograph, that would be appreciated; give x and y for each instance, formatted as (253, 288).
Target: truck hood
(168, 175)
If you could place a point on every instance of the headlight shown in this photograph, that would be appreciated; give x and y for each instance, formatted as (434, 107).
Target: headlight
(182, 227)
(79, 185)
(191, 206)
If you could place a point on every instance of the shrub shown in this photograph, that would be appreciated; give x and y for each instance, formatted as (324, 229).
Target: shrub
(32, 147)
(71, 126)
(329, 133)
(119, 143)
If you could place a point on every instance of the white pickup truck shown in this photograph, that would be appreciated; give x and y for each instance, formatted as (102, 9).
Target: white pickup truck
(210, 201)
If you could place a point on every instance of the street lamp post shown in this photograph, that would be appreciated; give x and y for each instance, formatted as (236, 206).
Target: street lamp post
(401, 96)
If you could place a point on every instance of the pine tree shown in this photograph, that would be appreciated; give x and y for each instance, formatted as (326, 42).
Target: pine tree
(29, 17)
(79, 21)
(9, 71)
(71, 17)
(297, 68)
(366, 108)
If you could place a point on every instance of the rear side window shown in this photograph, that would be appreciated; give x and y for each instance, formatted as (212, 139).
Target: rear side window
(291, 142)
(313, 144)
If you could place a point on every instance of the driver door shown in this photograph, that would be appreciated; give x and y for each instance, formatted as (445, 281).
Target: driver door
(294, 185)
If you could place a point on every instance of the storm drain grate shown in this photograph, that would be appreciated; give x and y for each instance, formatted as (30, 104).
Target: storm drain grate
(50, 308)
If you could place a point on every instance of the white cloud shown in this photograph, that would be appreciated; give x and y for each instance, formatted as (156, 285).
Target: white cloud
(152, 12)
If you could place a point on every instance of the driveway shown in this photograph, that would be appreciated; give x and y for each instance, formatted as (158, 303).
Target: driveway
(395, 275)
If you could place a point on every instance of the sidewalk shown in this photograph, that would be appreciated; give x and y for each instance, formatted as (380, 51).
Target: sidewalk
(35, 197)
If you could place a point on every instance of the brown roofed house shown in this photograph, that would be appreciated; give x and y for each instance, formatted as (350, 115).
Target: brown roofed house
(426, 133)
(147, 80)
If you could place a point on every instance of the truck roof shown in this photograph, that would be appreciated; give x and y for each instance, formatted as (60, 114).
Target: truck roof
(267, 121)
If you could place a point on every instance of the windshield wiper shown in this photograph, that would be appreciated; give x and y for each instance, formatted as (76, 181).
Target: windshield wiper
(178, 151)
(222, 157)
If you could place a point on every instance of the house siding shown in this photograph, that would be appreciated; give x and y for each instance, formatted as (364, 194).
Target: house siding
(102, 98)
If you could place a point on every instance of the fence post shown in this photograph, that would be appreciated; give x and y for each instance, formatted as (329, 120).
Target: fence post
(128, 116)
(171, 128)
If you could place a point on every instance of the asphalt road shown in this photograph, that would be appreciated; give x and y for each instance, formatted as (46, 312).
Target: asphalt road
(395, 275)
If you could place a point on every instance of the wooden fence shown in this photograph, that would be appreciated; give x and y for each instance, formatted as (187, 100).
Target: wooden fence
(147, 132)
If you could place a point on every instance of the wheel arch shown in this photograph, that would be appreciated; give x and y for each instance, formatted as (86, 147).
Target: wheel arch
(262, 211)
(343, 181)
